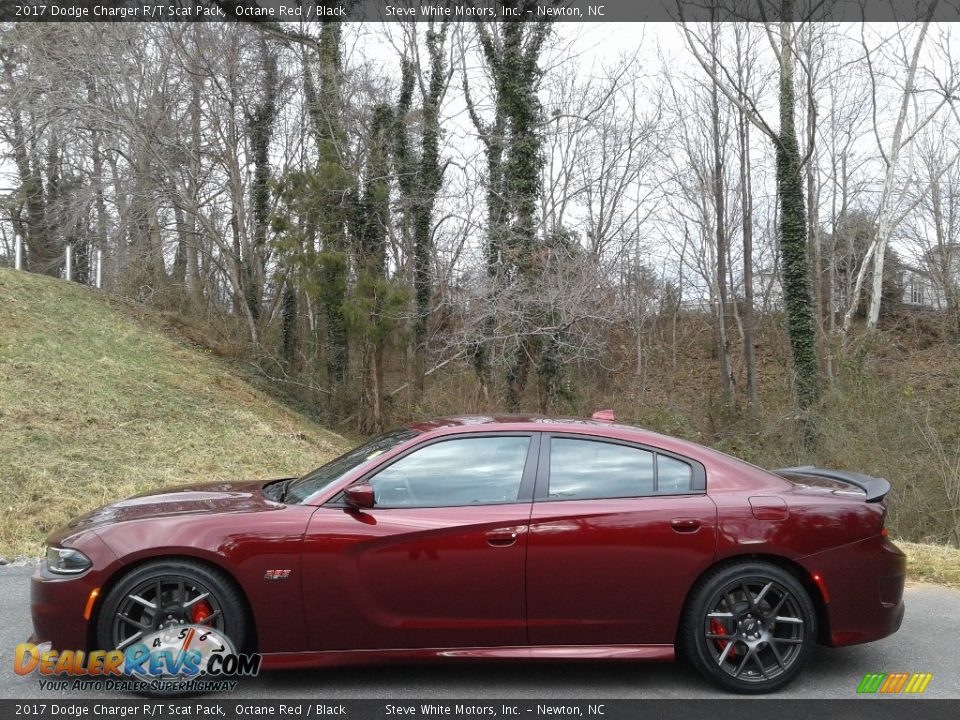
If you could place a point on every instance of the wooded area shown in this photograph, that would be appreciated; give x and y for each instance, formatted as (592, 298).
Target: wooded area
(740, 233)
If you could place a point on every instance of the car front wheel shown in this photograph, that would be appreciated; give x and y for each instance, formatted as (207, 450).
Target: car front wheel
(165, 593)
(750, 627)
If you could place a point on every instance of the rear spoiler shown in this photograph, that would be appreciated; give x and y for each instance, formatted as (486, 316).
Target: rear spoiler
(875, 488)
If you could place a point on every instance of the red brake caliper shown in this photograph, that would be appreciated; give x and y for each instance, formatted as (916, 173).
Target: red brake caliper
(717, 628)
(201, 611)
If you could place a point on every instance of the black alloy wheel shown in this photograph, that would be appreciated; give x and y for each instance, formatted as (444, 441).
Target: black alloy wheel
(166, 593)
(750, 627)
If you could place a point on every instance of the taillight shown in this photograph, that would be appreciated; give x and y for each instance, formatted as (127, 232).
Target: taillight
(884, 532)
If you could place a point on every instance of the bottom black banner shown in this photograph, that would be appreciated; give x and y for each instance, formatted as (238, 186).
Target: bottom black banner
(173, 708)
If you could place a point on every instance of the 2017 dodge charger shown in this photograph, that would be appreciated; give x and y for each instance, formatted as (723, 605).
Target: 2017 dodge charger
(492, 538)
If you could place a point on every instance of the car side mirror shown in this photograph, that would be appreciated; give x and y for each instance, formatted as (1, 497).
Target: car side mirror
(359, 496)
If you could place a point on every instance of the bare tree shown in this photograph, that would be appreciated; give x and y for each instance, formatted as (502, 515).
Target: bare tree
(932, 229)
(902, 137)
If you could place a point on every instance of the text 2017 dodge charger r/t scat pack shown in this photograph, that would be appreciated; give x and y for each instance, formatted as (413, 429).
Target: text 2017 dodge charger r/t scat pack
(502, 537)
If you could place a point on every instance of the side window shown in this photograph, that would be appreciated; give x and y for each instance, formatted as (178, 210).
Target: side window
(463, 471)
(673, 476)
(592, 470)
(587, 469)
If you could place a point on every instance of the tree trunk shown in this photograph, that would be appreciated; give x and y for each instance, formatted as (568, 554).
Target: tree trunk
(793, 230)
(370, 317)
(497, 221)
(178, 274)
(719, 197)
(813, 206)
(420, 181)
(746, 197)
(260, 131)
(193, 246)
(288, 331)
(100, 240)
(337, 188)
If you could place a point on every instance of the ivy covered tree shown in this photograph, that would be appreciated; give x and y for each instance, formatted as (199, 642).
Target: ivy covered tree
(316, 209)
(795, 267)
(514, 162)
(420, 175)
(793, 228)
(377, 303)
(260, 129)
(334, 191)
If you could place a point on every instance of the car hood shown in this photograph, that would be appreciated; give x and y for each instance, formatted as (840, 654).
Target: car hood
(214, 497)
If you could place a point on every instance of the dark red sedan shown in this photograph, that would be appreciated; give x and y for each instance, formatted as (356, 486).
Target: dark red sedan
(494, 538)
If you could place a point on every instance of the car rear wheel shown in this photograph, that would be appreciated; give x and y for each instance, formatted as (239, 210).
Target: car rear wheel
(165, 593)
(750, 627)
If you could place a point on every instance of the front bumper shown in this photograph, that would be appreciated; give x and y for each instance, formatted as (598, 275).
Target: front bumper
(57, 605)
(58, 602)
(865, 583)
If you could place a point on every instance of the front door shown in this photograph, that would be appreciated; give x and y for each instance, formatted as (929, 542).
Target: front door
(439, 561)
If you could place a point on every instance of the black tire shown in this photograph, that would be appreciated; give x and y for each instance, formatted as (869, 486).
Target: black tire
(226, 606)
(749, 627)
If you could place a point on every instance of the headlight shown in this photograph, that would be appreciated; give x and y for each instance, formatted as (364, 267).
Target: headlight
(67, 561)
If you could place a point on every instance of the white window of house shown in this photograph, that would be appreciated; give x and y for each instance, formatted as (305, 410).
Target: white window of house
(916, 292)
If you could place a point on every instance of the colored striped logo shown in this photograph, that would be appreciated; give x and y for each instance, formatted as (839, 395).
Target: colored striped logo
(893, 683)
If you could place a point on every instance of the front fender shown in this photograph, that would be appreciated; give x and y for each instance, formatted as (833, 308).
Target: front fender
(248, 547)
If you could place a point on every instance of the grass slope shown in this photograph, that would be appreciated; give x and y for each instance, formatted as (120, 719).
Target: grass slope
(95, 406)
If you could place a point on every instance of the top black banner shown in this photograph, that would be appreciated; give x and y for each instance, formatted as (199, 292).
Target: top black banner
(310, 11)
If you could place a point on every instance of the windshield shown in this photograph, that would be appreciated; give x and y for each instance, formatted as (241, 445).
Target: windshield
(311, 483)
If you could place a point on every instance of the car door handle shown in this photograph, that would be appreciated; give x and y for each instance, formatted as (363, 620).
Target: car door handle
(685, 525)
(504, 537)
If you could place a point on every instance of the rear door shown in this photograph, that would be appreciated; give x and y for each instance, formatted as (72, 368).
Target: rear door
(618, 533)
(439, 561)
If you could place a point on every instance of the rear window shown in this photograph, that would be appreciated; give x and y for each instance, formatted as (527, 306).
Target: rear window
(582, 469)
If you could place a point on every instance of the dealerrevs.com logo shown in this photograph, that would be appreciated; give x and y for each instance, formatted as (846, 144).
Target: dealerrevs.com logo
(179, 658)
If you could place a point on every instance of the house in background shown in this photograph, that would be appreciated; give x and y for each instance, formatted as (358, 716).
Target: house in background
(919, 289)
(934, 281)
(767, 289)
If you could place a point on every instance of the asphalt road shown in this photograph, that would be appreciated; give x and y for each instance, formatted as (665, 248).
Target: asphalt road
(929, 641)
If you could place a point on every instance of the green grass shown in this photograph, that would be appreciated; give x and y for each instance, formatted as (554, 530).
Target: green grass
(95, 406)
(937, 564)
